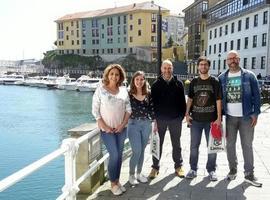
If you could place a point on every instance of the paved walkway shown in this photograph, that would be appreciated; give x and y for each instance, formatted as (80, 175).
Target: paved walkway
(168, 186)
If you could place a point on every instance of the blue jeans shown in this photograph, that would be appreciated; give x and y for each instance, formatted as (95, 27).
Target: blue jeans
(114, 143)
(243, 125)
(196, 130)
(138, 134)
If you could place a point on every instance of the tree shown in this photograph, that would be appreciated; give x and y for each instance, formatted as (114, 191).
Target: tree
(170, 41)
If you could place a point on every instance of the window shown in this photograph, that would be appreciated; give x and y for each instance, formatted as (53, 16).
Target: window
(118, 40)
(72, 51)
(245, 63)
(125, 50)
(119, 20)
(264, 39)
(84, 42)
(215, 33)
(226, 29)
(220, 31)
(125, 29)
(67, 37)
(77, 24)
(78, 42)
(263, 62)
(103, 51)
(153, 38)
(245, 2)
(93, 41)
(130, 39)
(210, 48)
(72, 42)
(84, 51)
(102, 26)
(72, 32)
(130, 50)
(125, 39)
(231, 45)
(102, 35)
(131, 17)
(215, 48)
(131, 27)
(253, 62)
(154, 17)
(72, 23)
(125, 19)
(118, 30)
(67, 28)
(77, 33)
(214, 65)
(139, 32)
(153, 28)
(119, 50)
(256, 20)
(239, 25)
(139, 21)
(247, 23)
(246, 43)
(225, 46)
(224, 64)
(210, 35)
(238, 44)
(232, 27)
(254, 43)
(265, 17)
(219, 47)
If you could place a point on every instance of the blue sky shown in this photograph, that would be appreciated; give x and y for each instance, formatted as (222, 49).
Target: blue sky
(28, 28)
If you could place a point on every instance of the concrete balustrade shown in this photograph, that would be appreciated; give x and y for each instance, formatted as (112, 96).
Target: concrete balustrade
(89, 151)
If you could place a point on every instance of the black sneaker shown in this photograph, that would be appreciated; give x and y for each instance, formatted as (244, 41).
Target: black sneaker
(232, 174)
(250, 178)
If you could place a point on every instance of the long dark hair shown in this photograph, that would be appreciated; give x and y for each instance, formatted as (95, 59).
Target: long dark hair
(133, 89)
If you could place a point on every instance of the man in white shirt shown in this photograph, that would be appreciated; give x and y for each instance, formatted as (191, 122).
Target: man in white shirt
(241, 104)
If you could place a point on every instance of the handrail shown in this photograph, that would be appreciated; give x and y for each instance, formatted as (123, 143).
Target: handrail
(19, 175)
(68, 148)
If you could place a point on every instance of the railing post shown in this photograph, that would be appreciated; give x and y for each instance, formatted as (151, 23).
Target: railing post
(70, 168)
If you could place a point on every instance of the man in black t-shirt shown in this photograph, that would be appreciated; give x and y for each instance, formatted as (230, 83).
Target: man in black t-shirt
(203, 107)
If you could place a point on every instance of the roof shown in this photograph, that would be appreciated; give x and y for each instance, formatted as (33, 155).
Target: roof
(145, 6)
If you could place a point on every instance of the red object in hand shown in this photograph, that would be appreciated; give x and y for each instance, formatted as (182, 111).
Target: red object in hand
(216, 131)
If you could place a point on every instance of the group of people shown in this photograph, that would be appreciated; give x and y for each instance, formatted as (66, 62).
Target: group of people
(120, 113)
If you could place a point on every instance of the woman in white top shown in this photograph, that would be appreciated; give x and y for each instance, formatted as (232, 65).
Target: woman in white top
(111, 108)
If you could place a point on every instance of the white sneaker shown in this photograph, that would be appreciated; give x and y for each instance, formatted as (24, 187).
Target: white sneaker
(142, 178)
(122, 188)
(132, 180)
(116, 190)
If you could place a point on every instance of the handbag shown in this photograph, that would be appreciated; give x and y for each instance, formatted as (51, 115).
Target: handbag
(155, 145)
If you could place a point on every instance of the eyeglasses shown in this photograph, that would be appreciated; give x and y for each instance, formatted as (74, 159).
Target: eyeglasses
(234, 58)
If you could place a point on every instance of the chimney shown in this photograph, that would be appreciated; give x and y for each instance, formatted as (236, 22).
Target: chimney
(134, 5)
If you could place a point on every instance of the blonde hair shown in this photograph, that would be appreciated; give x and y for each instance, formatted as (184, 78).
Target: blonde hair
(121, 70)
(133, 89)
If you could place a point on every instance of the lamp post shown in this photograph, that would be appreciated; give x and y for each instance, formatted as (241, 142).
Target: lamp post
(159, 42)
(219, 55)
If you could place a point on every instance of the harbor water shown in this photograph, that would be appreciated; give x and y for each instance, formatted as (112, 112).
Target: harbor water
(33, 123)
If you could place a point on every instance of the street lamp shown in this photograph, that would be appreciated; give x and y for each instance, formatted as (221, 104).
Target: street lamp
(219, 55)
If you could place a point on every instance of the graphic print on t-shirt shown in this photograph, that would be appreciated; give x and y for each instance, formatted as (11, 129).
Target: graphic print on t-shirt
(201, 104)
(234, 90)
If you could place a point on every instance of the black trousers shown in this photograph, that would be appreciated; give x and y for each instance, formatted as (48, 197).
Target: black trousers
(175, 128)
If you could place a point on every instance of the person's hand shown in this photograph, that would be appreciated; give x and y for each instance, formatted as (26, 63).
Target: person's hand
(218, 121)
(119, 128)
(188, 119)
(253, 121)
(105, 127)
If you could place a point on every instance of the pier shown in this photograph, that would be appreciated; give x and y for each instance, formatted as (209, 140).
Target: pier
(85, 169)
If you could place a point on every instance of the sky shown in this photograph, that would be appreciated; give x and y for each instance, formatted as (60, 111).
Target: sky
(28, 28)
